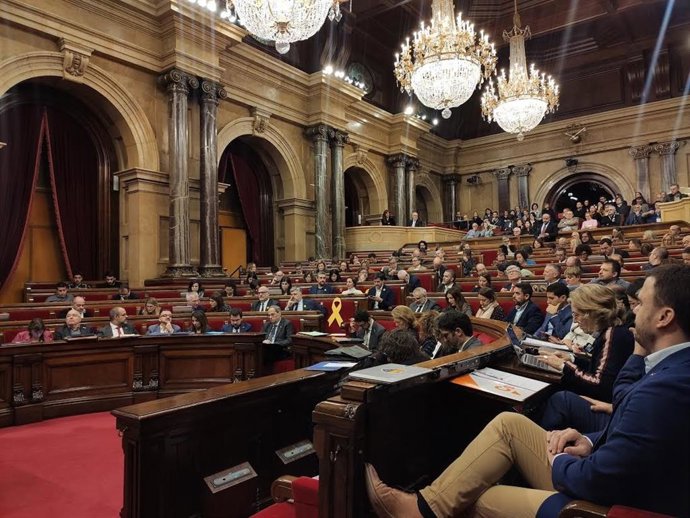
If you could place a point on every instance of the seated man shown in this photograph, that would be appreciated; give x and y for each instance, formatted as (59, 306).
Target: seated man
(298, 303)
(111, 280)
(321, 287)
(264, 301)
(415, 221)
(193, 301)
(365, 327)
(514, 274)
(620, 465)
(455, 333)
(79, 305)
(412, 281)
(279, 333)
(72, 328)
(422, 303)
(552, 274)
(448, 281)
(164, 325)
(236, 324)
(380, 295)
(609, 275)
(559, 315)
(77, 282)
(124, 293)
(61, 294)
(277, 278)
(118, 325)
(526, 314)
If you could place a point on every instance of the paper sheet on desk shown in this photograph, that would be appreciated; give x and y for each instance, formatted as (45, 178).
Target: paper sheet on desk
(330, 366)
(504, 384)
(533, 342)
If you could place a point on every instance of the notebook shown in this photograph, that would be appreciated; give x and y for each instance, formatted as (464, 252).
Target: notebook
(528, 359)
(389, 373)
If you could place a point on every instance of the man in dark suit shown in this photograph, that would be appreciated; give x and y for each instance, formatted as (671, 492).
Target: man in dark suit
(321, 287)
(236, 325)
(548, 230)
(438, 269)
(422, 303)
(164, 325)
(79, 305)
(298, 303)
(264, 301)
(364, 327)
(447, 282)
(455, 332)
(675, 194)
(118, 325)
(380, 295)
(72, 328)
(279, 333)
(415, 221)
(641, 459)
(526, 314)
(412, 281)
(124, 293)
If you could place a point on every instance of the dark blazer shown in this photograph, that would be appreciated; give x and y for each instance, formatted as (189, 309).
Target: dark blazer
(420, 223)
(471, 343)
(245, 327)
(308, 305)
(257, 304)
(279, 349)
(561, 322)
(131, 296)
(377, 331)
(87, 313)
(551, 230)
(413, 282)
(438, 275)
(63, 332)
(389, 221)
(107, 332)
(530, 320)
(642, 458)
(316, 290)
(429, 305)
(388, 299)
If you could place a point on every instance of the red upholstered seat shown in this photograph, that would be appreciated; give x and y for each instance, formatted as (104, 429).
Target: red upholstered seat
(305, 495)
(279, 510)
(621, 511)
(484, 338)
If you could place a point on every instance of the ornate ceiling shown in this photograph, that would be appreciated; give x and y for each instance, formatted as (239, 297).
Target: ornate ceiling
(600, 51)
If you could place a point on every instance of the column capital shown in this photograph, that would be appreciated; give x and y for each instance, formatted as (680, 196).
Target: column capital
(338, 138)
(451, 178)
(212, 92)
(502, 174)
(667, 148)
(412, 164)
(639, 152)
(176, 81)
(522, 170)
(397, 160)
(318, 133)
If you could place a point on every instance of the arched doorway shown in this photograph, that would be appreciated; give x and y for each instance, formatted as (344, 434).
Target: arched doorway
(247, 206)
(356, 196)
(62, 155)
(580, 187)
(422, 200)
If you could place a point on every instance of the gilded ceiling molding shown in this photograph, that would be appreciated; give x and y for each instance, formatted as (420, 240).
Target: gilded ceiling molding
(75, 59)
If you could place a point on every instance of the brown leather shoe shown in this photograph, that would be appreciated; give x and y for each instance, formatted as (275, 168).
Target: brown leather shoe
(389, 502)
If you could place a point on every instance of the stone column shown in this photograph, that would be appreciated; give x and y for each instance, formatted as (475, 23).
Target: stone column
(412, 167)
(522, 172)
(209, 259)
(450, 205)
(178, 85)
(338, 141)
(319, 136)
(502, 176)
(667, 152)
(640, 155)
(398, 163)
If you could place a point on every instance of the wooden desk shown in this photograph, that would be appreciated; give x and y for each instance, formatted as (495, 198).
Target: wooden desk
(90, 374)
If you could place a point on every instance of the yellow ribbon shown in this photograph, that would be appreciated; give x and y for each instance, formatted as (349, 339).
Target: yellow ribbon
(335, 312)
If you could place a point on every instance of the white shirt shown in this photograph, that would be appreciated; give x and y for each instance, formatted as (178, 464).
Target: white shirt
(652, 360)
(117, 330)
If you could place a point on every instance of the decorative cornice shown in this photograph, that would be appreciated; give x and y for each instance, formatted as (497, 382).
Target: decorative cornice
(176, 81)
(75, 59)
(639, 152)
(502, 174)
(667, 148)
(360, 154)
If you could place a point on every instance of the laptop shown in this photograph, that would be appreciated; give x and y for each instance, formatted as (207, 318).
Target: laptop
(528, 359)
(389, 373)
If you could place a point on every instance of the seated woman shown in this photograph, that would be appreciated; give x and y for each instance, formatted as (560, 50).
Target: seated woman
(387, 218)
(334, 276)
(483, 281)
(363, 275)
(321, 267)
(151, 308)
(343, 266)
(73, 328)
(457, 301)
(285, 285)
(309, 277)
(217, 303)
(35, 332)
(427, 332)
(230, 289)
(404, 319)
(595, 310)
(351, 287)
(195, 286)
(400, 346)
(199, 324)
(488, 305)
(522, 257)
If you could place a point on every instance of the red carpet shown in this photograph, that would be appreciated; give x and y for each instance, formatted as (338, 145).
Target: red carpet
(59, 468)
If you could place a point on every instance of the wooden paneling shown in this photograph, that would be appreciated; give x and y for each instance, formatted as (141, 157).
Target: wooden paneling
(233, 247)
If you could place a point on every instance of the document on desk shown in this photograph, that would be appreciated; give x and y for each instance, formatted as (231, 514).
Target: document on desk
(504, 384)
(533, 342)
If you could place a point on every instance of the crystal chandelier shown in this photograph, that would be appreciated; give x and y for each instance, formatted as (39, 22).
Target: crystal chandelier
(282, 21)
(524, 97)
(443, 65)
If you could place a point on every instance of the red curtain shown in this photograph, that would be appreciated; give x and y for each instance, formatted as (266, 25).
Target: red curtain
(73, 166)
(21, 128)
